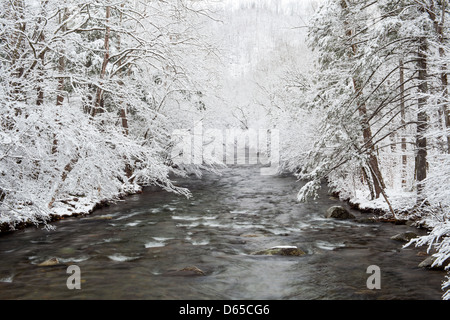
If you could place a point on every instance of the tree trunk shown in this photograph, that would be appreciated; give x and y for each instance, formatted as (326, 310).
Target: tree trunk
(123, 110)
(444, 76)
(61, 63)
(369, 183)
(17, 43)
(61, 70)
(403, 122)
(123, 106)
(377, 179)
(39, 36)
(40, 89)
(67, 170)
(99, 94)
(422, 121)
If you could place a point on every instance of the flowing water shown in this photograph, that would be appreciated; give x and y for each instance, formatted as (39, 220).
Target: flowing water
(134, 249)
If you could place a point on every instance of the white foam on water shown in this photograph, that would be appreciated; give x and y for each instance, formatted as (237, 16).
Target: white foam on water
(121, 258)
(128, 215)
(284, 247)
(325, 245)
(189, 225)
(248, 226)
(293, 229)
(133, 224)
(161, 239)
(154, 244)
(200, 243)
(75, 260)
(7, 279)
(278, 231)
(185, 218)
(213, 224)
(238, 211)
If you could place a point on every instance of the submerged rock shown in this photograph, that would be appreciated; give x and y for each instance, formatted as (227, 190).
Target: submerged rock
(67, 250)
(186, 272)
(428, 263)
(194, 270)
(49, 263)
(99, 218)
(251, 235)
(404, 236)
(338, 212)
(281, 251)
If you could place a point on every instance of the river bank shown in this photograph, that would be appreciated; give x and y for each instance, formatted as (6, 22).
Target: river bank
(77, 206)
(69, 208)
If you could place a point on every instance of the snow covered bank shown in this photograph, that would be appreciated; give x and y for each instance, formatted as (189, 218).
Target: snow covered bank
(401, 202)
(61, 209)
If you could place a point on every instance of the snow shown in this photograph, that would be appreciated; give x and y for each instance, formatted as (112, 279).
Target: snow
(329, 82)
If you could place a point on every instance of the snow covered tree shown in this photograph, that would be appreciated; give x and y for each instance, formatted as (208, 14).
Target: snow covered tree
(89, 91)
(382, 73)
(338, 33)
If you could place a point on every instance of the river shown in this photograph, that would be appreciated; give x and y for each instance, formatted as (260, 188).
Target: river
(134, 249)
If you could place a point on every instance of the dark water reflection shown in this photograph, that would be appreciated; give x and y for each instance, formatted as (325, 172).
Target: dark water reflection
(131, 250)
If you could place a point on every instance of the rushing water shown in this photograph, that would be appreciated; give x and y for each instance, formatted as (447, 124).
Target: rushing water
(133, 249)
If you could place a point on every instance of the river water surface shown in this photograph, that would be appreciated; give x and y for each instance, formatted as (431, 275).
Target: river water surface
(135, 249)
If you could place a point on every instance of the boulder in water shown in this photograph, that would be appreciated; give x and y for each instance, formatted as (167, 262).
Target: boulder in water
(338, 212)
(99, 218)
(49, 263)
(194, 270)
(281, 251)
(404, 236)
(187, 272)
(428, 263)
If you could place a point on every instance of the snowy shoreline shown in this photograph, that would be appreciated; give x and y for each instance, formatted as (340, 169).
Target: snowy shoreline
(69, 208)
(402, 203)
(84, 206)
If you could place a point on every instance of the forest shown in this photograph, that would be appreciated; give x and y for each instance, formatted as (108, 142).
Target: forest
(92, 91)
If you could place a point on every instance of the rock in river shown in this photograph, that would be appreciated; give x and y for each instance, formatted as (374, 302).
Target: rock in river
(428, 263)
(49, 263)
(281, 251)
(186, 272)
(338, 212)
(404, 237)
